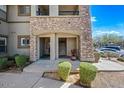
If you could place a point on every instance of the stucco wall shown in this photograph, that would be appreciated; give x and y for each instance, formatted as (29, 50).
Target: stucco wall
(16, 29)
(3, 28)
(13, 14)
(71, 44)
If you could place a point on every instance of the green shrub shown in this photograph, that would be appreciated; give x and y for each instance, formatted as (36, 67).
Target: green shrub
(97, 56)
(12, 58)
(121, 59)
(102, 55)
(64, 69)
(3, 63)
(21, 61)
(87, 73)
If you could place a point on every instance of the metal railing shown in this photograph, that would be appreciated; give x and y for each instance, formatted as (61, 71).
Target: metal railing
(68, 12)
(41, 13)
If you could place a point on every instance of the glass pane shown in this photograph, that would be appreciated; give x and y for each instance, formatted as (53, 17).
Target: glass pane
(27, 9)
(24, 10)
(2, 48)
(21, 10)
(2, 42)
(28, 41)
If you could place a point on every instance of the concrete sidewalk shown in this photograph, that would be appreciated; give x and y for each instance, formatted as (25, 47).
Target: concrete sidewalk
(32, 75)
(30, 80)
(47, 65)
(107, 65)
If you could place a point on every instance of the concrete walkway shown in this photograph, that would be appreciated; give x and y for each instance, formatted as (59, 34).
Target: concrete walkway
(30, 80)
(107, 65)
(47, 65)
(32, 75)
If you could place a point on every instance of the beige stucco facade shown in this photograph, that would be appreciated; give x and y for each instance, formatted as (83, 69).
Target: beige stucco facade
(16, 29)
(75, 29)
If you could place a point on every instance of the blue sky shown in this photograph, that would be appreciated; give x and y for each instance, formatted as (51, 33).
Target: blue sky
(107, 19)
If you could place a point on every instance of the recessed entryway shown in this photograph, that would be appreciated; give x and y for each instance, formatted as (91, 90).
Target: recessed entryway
(45, 48)
(55, 46)
(66, 46)
(62, 47)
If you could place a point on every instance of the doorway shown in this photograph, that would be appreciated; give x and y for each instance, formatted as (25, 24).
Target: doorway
(62, 47)
(45, 47)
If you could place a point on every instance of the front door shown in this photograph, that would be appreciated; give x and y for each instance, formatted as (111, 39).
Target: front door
(45, 47)
(62, 47)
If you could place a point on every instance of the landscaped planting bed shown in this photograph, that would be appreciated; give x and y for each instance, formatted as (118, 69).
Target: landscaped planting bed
(85, 74)
(9, 64)
(73, 77)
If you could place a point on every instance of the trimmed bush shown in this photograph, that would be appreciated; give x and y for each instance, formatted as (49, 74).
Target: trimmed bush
(97, 56)
(87, 73)
(121, 59)
(102, 55)
(12, 58)
(3, 63)
(21, 61)
(64, 69)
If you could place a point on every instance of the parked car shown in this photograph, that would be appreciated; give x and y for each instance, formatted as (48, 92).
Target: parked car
(114, 49)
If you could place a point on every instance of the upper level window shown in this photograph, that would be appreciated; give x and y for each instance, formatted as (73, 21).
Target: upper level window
(68, 10)
(24, 10)
(23, 41)
(43, 10)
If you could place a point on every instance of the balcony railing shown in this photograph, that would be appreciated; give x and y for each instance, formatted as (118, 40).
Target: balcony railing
(68, 12)
(41, 13)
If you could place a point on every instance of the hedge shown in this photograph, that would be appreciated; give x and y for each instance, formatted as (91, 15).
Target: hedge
(87, 73)
(64, 69)
(97, 56)
(3, 63)
(21, 61)
(121, 59)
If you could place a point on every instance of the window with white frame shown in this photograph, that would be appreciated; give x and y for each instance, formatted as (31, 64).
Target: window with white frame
(23, 41)
(3, 45)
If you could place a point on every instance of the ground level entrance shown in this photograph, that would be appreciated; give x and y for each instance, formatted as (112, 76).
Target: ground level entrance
(45, 47)
(57, 46)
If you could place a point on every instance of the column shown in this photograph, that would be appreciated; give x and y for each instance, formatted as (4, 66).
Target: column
(86, 45)
(53, 10)
(33, 48)
(38, 48)
(57, 47)
(34, 9)
(52, 47)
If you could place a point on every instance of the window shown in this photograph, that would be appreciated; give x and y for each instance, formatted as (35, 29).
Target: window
(3, 45)
(24, 10)
(23, 41)
(68, 10)
(43, 10)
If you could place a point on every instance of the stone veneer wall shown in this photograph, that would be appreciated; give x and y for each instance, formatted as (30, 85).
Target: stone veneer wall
(33, 50)
(79, 25)
(86, 45)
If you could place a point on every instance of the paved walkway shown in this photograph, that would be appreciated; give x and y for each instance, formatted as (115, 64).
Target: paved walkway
(32, 76)
(107, 65)
(47, 65)
(30, 80)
